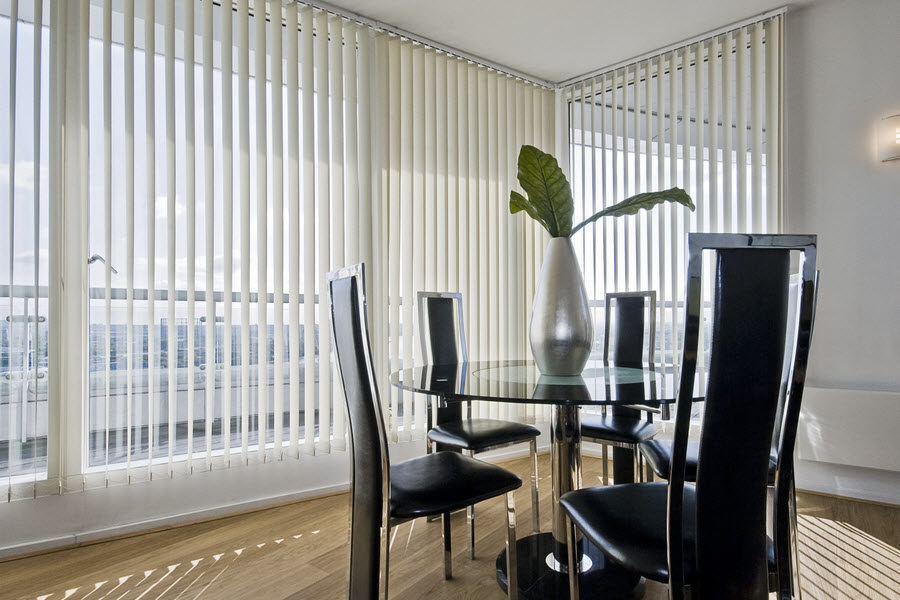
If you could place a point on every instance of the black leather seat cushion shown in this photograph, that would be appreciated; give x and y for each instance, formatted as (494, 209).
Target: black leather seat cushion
(659, 456)
(477, 434)
(626, 430)
(443, 482)
(628, 523)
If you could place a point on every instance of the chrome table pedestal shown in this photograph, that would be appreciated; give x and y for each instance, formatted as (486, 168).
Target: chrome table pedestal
(542, 569)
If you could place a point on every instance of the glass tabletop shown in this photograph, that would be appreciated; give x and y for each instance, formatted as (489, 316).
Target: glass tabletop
(600, 383)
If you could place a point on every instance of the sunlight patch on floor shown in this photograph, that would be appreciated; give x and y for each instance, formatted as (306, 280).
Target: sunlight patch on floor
(841, 562)
(188, 580)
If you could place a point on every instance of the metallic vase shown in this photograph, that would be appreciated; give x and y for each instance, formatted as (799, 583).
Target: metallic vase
(562, 330)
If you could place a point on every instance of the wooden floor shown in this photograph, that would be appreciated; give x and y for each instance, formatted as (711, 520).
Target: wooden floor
(849, 550)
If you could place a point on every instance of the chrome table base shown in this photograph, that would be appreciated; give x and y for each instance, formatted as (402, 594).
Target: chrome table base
(538, 554)
(537, 581)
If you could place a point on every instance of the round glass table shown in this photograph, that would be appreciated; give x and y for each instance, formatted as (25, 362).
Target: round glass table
(542, 557)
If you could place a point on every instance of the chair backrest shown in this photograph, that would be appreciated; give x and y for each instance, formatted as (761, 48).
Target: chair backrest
(443, 338)
(370, 471)
(630, 324)
(749, 325)
(441, 329)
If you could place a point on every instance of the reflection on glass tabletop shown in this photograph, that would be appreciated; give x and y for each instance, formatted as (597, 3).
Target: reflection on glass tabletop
(601, 382)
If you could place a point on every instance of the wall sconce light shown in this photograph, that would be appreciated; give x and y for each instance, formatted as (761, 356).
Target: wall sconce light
(889, 138)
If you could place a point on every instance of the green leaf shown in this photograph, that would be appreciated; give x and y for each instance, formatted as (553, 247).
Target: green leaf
(549, 200)
(647, 200)
(518, 202)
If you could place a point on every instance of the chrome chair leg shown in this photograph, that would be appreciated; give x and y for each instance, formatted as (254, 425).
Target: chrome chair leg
(512, 574)
(429, 449)
(572, 559)
(535, 499)
(471, 519)
(385, 562)
(605, 459)
(636, 458)
(795, 544)
(448, 559)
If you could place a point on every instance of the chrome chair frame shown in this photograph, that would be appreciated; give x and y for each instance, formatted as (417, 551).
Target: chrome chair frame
(358, 272)
(463, 356)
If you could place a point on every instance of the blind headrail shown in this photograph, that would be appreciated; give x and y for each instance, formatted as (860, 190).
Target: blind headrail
(676, 46)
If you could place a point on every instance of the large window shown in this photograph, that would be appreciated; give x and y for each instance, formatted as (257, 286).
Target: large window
(202, 167)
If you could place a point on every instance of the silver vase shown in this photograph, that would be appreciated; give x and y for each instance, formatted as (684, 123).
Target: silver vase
(561, 330)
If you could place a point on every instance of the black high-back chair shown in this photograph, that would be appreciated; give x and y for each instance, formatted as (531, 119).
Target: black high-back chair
(443, 338)
(658, 455)
(625, 427)
(384, 495)
(710, 538)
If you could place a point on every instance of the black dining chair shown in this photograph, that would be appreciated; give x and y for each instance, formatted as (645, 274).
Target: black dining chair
(443, 339)
(623, 426)
(658, 453)
(384, 495)
(709, 539)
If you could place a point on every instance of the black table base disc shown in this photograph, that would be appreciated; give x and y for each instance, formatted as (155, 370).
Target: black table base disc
(537, 581)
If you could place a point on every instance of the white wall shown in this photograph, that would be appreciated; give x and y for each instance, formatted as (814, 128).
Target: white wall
(842, 76)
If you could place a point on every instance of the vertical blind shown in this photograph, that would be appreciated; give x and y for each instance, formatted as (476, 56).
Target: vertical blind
(226, 158)
(447, 137)
(705, 117)
(208, 338)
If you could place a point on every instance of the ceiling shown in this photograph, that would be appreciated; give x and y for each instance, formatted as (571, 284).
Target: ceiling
(557, 40)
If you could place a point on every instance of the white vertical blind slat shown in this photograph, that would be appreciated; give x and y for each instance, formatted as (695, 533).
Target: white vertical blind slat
(309, 231)
(727, 94)
(191, 209)
(36, 153)
(713, 99)
(757, 103)
(336, 65)
(227, 228)
(211, 365)
(149, 87)
(107, 215)
(407, 227)
(11, 231)
(441, 150)
(514, 235)
(324, 224)
(129, 228)
(278, 222)
(453, 194)
(171, 328)
(744, 214)
(393, 217)
(429, 265)
(262, 229)
(351, 146)
(418, 222)
(243, 27)
(292, 64)
(773, 66)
